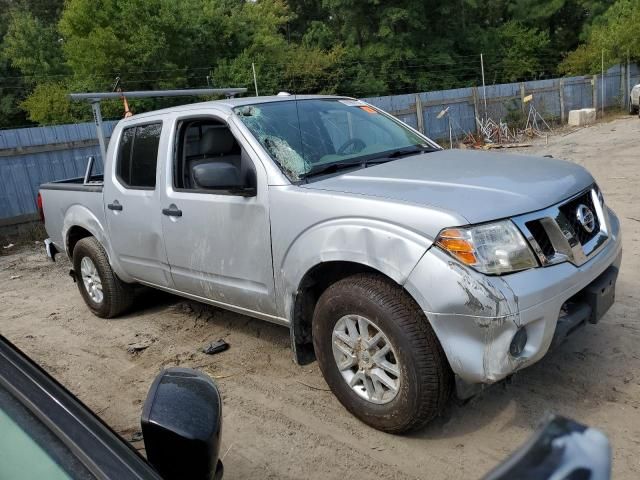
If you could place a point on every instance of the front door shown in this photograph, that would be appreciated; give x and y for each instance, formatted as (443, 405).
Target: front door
(132, 199)
(217, 239)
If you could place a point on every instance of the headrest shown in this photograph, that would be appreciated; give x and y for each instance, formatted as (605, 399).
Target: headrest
(217, 141)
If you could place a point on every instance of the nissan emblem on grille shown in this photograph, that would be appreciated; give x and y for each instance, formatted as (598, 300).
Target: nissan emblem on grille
(586, 218)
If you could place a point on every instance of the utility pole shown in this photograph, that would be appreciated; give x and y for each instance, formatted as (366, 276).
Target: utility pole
(484, 87)
(255, 80)
(602, 98)
(628, 92)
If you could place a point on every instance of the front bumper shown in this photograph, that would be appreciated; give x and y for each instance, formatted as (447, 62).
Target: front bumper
(476, 316)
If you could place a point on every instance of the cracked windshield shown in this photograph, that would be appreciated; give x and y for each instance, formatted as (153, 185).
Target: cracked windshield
(321, 136)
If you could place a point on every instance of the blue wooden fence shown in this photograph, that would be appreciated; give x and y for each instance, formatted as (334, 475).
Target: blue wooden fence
(553, 98)
(31, 156)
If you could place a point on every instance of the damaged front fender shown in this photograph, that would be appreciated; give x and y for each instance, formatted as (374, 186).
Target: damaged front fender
(386, 248)
(475, 316)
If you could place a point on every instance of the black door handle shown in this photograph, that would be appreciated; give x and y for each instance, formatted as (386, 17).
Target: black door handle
(172, 211)
(114, 206)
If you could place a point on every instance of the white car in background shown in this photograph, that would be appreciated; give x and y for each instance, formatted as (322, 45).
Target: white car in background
(634, 100)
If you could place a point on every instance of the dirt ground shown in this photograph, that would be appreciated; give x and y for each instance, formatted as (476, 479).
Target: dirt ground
(279, 419)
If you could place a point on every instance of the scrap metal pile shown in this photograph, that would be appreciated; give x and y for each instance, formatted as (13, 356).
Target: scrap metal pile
(492, 134)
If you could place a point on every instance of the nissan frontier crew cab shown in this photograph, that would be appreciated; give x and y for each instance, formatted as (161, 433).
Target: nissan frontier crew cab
(404, 269)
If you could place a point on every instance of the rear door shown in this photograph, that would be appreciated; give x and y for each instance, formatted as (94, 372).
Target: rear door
(218, 242)
(132, 200)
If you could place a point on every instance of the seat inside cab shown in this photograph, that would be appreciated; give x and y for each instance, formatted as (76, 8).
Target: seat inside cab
(210, 158)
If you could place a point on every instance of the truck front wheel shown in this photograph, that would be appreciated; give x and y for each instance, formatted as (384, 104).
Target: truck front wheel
(379, 355)
(104, 293)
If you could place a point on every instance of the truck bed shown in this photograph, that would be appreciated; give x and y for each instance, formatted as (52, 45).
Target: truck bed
(71, 195)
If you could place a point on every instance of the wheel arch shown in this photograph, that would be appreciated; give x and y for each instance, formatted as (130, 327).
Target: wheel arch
(74, 235)
(313, 283)
(332, 250)
(79, 223)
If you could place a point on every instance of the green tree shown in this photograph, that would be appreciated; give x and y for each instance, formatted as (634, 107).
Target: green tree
(280, 65)
(357, 47)
(515, 52)
(48, 105)
(145, 42)
(28, 46)
(33, 47)
(615, 34)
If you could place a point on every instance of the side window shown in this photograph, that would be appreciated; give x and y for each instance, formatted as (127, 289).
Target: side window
(138, 156)
(123, 167)
(209, 158)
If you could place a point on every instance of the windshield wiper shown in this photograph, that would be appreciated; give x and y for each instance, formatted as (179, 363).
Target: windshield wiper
(334, 167)
(395, 154)
(329, 168)
(369, 160)
(405, 152)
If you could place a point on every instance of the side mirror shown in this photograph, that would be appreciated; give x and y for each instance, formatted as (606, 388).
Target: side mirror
(181, 425)
(561, 449)
(224, 176)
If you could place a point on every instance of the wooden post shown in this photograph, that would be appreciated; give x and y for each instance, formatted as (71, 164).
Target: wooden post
(474, 91)
(561, 93)
(419, 114)
(425, 121)
(522, 98)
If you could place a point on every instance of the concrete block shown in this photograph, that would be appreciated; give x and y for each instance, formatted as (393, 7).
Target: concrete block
(584, 116)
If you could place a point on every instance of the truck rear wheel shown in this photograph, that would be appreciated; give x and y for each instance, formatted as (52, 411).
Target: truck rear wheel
(104, 293)
(379, 355)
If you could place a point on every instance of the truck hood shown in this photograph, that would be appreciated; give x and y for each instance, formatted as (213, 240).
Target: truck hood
(478, 185)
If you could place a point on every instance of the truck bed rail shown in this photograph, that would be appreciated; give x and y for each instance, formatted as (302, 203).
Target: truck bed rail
(95, 184)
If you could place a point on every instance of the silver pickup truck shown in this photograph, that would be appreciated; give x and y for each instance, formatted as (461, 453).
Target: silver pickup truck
(404, 269)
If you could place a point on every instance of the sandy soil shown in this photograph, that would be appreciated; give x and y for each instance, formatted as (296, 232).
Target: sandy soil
(279, 419)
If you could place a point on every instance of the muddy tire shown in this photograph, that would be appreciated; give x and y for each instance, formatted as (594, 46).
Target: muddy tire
(104, 293)
(379, 354)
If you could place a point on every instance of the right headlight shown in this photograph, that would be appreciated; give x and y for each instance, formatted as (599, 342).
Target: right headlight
(491, 248)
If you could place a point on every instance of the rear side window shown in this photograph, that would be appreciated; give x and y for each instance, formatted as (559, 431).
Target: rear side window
(138, 156)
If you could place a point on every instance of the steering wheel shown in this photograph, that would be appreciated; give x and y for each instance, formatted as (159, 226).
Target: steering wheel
(356, 143)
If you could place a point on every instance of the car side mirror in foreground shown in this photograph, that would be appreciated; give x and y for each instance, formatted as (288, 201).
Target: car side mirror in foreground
(181, 425)
(560, 450)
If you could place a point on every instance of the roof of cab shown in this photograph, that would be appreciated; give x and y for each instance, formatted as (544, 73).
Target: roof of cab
(228, 104)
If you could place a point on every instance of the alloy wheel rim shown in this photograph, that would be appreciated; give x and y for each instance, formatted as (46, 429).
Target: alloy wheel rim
(366, 359)
(91, 280)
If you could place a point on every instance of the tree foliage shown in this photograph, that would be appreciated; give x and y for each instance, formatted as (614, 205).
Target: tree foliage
(614, 36)
(49, 48)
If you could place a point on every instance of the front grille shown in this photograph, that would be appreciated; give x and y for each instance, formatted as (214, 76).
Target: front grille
(569, 210)
(541, 237)
(557, 233)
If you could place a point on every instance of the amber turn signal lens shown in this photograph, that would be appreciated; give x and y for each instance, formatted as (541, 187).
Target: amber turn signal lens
(456, 244)
(453, 241)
